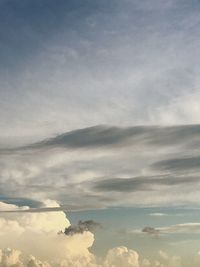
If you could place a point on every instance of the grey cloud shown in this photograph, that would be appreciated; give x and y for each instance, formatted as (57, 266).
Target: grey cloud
(81, 227)
(150, 230)
(179, 164)
(87, 164)
(93, 137)
(107, 136)
(65, 208)
(181, 228)
(74, 65)
(173, 229)
(140, 183)
(113, 136)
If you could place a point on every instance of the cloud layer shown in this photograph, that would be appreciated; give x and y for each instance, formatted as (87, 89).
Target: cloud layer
(95, 166)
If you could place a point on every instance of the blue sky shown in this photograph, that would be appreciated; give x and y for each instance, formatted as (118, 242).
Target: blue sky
(124, 227)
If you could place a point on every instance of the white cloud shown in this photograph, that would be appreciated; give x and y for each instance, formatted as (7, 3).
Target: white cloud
(25, 234)
(33, 262)
(10, 207)
(182, 109)
(163, 255)
(165, 260)
(37, 234)
(122, 256)
(10, 257)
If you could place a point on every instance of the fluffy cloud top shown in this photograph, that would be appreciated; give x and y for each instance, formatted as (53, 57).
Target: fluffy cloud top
(34, 239)
(121, 256)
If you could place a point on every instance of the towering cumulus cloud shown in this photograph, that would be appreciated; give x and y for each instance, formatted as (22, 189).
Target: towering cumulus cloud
(28, 238)
(34, 240)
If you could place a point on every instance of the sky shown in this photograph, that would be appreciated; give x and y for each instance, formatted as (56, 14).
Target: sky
(99, 133)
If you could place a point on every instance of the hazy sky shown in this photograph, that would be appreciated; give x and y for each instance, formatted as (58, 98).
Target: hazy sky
(67, 64)
(99, 110)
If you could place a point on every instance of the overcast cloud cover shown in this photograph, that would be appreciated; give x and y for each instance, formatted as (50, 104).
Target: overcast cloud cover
(99, 108)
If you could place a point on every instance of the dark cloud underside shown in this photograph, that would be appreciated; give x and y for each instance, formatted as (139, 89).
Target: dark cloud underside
(97, 136)
(136, 184)
(95, 164)
(179, 164)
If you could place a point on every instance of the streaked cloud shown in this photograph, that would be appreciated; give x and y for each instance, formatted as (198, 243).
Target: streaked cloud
(140, 183)
(158, 214)
(184, 164)
(184, 228)
(98, 164)
(109, 136)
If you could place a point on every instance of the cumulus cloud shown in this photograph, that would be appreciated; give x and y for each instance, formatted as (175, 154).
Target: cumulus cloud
(163, 255)
(10, 257)
(34, 240)
(10, 207)
(19, 229)
(116, 257)
(121, 256)
(163, 260)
